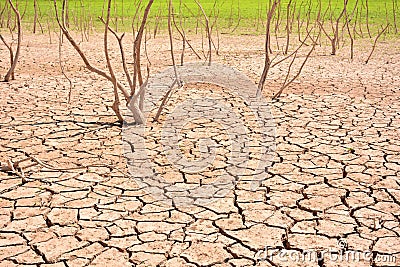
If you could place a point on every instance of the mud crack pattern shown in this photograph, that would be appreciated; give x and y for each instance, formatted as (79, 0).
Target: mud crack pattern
(334, 174)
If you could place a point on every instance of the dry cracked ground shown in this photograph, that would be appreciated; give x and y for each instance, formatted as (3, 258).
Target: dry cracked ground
(332, 187)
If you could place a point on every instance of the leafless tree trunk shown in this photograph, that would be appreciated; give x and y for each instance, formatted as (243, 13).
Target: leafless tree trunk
(239, 18)
(278, 18)
(62, 66)
(134, 100)
(157, 22)
(215, 24)
(267, 62)
(10, 73)
(176, 81)
(366, 18)
(10, 50)
(293, 55)
(35, 15)
(208, 30)
(171, 43)
(299, 23)
(288, 27)
(185, 41)
(394, 4)
(360, 23)
(66, 9)
(347, 25)
(3, 14)
(138, 42)
(335, 39)
(116, 103)
(355, 11)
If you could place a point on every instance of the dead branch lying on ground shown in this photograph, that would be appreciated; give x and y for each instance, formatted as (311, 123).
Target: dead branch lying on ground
(17, 169)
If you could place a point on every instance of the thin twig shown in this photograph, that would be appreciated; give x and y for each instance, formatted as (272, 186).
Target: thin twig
(116, 103)
(10, 73)
(83, 56)
(208, 31)
(375, 42)
(171, 43)
(121, 49)
(183, 35)
(164, 101)
(9, 47)
(62, 67)
(285, 85)
(295, 51)
(267, 62)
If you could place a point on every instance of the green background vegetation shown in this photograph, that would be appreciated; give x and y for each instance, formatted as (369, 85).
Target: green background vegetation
(239, 16)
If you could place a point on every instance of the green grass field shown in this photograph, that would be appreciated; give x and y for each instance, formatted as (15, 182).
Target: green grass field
(243, 16)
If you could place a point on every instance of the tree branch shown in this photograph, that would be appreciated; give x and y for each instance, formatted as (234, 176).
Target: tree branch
(10, 73)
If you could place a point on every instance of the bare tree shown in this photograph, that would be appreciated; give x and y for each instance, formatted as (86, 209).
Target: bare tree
(10, 50)
(14, 59)
(347, 25)
(288, 27)
(3, 13)
(366, 18)
(62, 66)
(267, 62)
(176, 81)
(133, 99)
(394, 4)
(35, 16)
(288, 82)
(335, 29)
(171, 43)
(182, 33)
(208, 31)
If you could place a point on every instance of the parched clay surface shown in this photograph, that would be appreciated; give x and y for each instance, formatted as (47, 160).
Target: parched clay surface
(333, 179)
(213, 133)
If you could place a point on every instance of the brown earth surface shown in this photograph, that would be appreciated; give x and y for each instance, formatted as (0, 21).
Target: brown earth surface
(333, 183)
